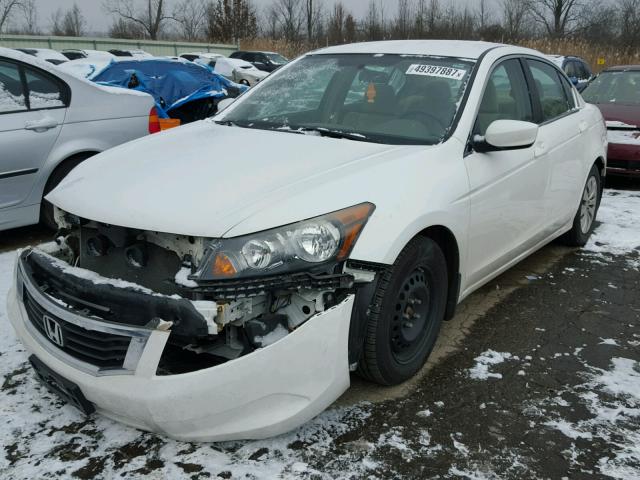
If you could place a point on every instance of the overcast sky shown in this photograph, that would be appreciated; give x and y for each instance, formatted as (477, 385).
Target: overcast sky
(99, 21)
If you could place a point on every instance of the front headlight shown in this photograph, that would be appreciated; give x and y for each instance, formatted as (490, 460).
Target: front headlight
(309, 244)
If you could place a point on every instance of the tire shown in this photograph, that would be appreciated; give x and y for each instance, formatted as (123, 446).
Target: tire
(584, 221)
(397, 342)
(61, 171)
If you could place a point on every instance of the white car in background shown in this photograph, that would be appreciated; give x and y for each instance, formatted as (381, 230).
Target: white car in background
(206, 58)
(206, 292)
(51, 121)
(51, 56)
(238, 71)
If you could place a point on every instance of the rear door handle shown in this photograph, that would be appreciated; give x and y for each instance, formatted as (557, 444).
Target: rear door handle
(42, 125)
(583, 126)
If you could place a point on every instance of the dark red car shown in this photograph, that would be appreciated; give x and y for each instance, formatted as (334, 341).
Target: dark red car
(616, 92)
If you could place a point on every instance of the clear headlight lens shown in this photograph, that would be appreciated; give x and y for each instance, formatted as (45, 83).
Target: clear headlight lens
(298, 246)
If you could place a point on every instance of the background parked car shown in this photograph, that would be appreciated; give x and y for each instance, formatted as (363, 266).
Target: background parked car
(51, 56)
(130, 53)
(88, 54)
(266, 61)
(577, 69)
(616, 92)
(182, 90)
(49, 123)
(207, 58)
(237, 70)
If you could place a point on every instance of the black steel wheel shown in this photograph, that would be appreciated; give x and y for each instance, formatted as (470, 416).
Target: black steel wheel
(406, 313)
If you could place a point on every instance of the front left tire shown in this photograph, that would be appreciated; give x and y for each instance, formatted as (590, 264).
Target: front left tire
(405, 315)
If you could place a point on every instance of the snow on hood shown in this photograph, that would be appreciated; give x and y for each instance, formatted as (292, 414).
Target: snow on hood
(203, 179)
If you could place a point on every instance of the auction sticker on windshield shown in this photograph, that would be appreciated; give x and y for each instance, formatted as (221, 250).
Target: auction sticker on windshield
(436, 71)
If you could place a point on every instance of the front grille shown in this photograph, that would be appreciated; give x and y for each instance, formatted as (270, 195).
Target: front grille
(625, 164)
(103, 350)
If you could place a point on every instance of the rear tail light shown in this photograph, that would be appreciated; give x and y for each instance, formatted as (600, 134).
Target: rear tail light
(154, 121)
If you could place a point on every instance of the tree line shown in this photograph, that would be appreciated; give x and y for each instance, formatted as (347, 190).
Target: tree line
(321, 22)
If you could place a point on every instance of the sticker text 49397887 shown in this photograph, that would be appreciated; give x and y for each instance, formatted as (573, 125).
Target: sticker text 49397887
(436, 71)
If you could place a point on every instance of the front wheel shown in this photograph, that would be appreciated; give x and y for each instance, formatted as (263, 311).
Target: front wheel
(585, 219)
(405, 315)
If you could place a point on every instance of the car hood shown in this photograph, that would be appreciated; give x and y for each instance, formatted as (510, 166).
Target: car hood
(615, 112)
(203, 179)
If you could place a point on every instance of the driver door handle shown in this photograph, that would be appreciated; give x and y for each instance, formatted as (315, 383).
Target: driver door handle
(41, 125)
(540, 149)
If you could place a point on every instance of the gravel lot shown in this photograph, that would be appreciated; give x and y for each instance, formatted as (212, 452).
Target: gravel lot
(538, 376)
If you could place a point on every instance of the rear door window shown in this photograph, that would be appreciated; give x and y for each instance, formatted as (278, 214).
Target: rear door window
(44, 91)
(12, 96)
(548, 85)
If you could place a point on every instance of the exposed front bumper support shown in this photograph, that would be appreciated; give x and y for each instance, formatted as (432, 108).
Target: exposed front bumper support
(267, 392)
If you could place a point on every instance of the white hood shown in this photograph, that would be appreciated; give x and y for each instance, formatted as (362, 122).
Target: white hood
(204, 178)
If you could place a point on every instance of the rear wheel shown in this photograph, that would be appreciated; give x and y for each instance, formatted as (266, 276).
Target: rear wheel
(46, 208)
(405, 315)
(584, 221)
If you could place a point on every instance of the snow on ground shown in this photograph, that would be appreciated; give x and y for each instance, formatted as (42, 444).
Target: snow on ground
(480, 371)
(619, 231)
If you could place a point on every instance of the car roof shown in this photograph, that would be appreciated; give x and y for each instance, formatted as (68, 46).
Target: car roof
(444, 48)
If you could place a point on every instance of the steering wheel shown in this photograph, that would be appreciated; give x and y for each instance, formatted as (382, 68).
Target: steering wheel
(425, 118)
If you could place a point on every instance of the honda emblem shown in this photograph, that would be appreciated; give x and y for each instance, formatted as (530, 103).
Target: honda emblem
(53, 330)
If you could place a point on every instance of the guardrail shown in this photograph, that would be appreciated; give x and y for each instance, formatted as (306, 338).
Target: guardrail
(154, 47)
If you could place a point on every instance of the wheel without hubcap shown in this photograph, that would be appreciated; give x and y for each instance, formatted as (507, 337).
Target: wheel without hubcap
(405, 315)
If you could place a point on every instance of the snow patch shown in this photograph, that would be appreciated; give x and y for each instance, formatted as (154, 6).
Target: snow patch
(480, 371)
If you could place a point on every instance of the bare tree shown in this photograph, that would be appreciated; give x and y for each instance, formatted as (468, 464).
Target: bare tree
(289, 16)
(482, 14)
(122, 28)
(515, 14)
(427, 18)
(403, 22)
(230, 20)
(190, 16)
(69, 24)
(30, 18)
(312, 12)
(7, 9)
(374, 22)
(629, 12)
(336, 24)
(150, 15)
(556, 16)
(350, 29)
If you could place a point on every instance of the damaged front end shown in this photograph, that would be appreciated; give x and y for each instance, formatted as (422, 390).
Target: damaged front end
(219, 300)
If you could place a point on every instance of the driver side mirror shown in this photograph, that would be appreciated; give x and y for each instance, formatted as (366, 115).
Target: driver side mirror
(506, 135)
(574, 80)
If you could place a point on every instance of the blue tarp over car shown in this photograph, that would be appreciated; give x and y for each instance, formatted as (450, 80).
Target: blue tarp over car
(172, 83)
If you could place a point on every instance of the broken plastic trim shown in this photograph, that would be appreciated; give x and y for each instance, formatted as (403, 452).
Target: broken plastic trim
(118, 305)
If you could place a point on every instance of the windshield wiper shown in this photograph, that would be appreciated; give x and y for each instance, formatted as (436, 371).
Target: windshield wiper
(327, 132)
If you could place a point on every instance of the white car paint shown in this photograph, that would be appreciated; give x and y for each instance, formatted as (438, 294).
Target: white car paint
(96, 119)
(500, 207)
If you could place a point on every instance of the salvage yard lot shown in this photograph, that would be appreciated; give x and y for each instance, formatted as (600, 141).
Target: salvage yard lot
(537, 376)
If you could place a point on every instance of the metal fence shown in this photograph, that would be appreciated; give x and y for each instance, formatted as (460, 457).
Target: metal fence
(151, 46)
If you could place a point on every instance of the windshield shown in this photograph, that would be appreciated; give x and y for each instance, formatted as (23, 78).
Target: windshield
(614, 87)
(277, 58)
(395, 99)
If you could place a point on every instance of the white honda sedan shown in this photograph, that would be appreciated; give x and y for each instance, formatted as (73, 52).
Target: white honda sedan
(221, 280)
